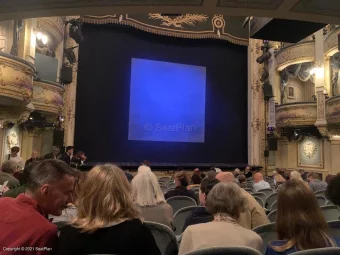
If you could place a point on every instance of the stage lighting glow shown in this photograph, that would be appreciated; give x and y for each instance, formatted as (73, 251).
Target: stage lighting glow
(167, 102)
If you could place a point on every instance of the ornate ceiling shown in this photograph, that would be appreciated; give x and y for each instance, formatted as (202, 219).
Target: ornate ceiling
(324, 11)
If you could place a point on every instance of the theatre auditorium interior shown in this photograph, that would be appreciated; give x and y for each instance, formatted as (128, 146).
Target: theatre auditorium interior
(165, 127)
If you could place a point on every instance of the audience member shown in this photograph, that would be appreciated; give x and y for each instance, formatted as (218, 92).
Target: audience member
(146, 163)
(67, 156)
(260, 183)
(106, 221)
(278, 180)
(55, 154)
(195, 181)
(78, 159)
(14, 156)
(329, 177)
(295, 175)
(181, 182)
(8, 169)
(23, 221)
(315, 183)
(23, 182)
(237, 172)
(283, 173)
(128, 175)
(211, 174)
(303, 174)
(333, 190)
(70, 212)
(143, 169)
(218, 170)
(242, 181)
(147, 194)
(34, 158)
(225, 202)
(300, 223)
(247, 172)
(200, 214)
(254, 214)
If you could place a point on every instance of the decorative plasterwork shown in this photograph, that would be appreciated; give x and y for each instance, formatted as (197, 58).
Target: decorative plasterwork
(297, 114)
(331, 42)
(191, 26)
(48, 97)
(16, 115)
(333, 110)
(16, 78)
(55, 27)
(295, 54)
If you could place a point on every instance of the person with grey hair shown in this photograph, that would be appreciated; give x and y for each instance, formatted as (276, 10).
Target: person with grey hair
(225, 202)
(8, 168)
(23, 220)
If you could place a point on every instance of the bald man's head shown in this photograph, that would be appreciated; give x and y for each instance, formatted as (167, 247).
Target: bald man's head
(258, 177)
(225, 177)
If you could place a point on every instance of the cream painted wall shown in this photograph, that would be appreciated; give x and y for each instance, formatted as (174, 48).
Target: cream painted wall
(303, 90)
(286, 156)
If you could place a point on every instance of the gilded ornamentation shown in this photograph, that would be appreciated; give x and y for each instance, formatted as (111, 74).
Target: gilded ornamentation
(12, 140)
(296, 115)
(297, 53)
(321, 106)
(333, 110)
(48, 97)
(199, 30)
(55, 27)
(331, 42)
(309, 149)
(16, 78)
(179, 21)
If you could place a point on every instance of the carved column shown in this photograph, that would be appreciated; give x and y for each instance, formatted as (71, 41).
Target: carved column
(70, 96)
(256, 123)
(320, 88)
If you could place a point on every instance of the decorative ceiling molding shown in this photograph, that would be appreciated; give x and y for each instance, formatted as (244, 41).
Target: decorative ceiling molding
(322, 11)
(190, 26)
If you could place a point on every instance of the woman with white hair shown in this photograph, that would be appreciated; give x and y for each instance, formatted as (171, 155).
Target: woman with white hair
(225, 202)
(148, 195)
(295, 175)
(143, 169)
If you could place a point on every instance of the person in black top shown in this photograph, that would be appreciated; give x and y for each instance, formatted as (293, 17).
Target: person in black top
(67, 156)
(247, 172)
(181, 182)
(200, 214)
(107, 222)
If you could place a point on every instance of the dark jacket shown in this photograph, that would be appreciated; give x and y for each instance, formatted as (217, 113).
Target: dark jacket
(128, 237)
(180, 191)
(66, 158)
(197, 216)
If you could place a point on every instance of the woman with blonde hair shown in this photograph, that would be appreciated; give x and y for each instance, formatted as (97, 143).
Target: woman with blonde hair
(300, 223)
(106, 220)
(148, 195)
(225, 202)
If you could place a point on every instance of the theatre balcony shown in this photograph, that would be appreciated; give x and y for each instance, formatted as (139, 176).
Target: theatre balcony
(295, 54)
(48, 97)
(296, 114)
(331, 42)
(16, 80)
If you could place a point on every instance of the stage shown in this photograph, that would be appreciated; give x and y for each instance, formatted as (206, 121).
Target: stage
(167, 166)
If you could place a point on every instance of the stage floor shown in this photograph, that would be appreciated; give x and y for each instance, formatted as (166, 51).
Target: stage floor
(165, 166)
